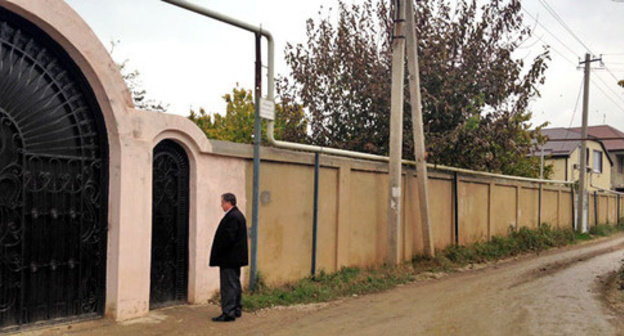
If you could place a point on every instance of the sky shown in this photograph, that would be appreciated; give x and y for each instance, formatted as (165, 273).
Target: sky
(189, 61)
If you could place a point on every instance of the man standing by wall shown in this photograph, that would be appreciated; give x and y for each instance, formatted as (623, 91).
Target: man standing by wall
(229, 253)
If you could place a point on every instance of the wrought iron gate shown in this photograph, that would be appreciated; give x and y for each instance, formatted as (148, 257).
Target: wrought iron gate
(53, 182)
(170, 212)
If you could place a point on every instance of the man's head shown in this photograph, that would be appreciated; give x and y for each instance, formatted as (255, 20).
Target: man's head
(228, 201)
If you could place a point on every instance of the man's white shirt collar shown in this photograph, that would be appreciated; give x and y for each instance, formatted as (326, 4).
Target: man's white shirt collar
(230, 209)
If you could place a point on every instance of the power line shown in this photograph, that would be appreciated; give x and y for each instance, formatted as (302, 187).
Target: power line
(606, 95)
(563, 56)
(611, 73)
(563, 24)
(610, 89)
(578, 98)
(558, 18)
(548, 31)
(592, 79)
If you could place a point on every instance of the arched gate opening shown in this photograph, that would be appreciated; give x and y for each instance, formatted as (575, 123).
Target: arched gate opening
(53, 182)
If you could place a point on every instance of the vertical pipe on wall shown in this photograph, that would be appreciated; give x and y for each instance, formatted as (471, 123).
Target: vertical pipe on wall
(573, 203)
(256, 169)
(595, 209)
(456, 207)
(617, 219)
(539, 206)
(317, 167)
(257, 122)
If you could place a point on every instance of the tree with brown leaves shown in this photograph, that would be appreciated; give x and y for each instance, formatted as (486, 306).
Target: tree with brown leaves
(474, 92)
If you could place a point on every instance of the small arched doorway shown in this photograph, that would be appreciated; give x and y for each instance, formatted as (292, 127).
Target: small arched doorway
(170, 225)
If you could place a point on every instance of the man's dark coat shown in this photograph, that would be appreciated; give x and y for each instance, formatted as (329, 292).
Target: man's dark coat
(229, 248)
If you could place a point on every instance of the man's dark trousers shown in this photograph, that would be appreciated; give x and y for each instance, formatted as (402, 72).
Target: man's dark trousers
(230, 291)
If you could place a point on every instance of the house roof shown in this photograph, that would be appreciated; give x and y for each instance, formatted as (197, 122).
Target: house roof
(564, 147)
(559, 148)
(605, 131)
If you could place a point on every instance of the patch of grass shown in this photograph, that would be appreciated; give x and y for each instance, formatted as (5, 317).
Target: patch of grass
(518, 241)
(350, 281)
(604, 230)
(325, 287)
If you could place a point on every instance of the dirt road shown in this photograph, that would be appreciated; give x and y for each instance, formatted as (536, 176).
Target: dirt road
(553, 294)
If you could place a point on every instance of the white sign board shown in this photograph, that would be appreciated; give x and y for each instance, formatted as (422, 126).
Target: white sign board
(267, 109)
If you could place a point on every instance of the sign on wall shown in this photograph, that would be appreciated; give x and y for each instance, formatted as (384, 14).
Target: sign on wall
(267, 109)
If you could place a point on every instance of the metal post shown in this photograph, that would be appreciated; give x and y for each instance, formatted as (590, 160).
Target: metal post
(539, 206)
(456, 206)
(595, 209)
(617, 220)
(541, 185)
(582, 165)
(419, 133)
(256, 169)
(542, 164)
(257, 122)
(317, 168)
(396, 133)
(573, 202)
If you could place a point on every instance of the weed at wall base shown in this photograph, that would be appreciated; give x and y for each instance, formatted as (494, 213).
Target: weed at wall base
(351, 281)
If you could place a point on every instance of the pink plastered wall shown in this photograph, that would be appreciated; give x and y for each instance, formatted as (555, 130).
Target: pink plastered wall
(132, 135)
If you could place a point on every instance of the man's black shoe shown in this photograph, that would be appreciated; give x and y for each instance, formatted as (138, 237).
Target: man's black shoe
(223, 318)
(238, 314)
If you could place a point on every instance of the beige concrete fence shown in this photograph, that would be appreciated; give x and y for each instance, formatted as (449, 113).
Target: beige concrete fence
(353, 210)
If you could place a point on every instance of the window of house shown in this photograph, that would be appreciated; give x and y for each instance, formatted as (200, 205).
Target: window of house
(620, 159)
(597, 161)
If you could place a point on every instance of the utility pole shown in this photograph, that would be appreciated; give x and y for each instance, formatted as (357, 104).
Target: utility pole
(581, 223)
(396, 133)
(406, 29)
(419, 133)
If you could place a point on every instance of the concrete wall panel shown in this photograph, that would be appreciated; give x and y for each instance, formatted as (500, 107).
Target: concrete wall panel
(565, 210)
(528, 204)
(611, 210)
(473, 212)
(285, 217)
(504, 209)
(602, 209)
(368, 210)
(550, 207)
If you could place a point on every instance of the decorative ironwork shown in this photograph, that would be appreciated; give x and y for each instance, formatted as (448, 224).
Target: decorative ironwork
(53, 182)
(170, 206)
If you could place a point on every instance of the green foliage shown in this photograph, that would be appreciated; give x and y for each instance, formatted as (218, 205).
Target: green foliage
(474, 93)
(498, 143)
(604, 230)
(521, 241)
(237, 124)
(518, 241)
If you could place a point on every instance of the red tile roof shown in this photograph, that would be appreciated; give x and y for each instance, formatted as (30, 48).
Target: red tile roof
(563, 141)
(605, 131)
